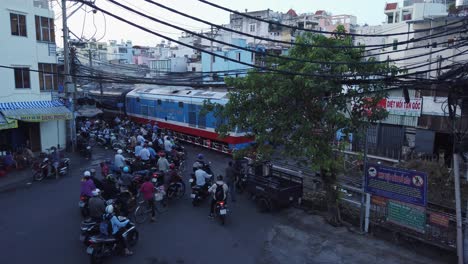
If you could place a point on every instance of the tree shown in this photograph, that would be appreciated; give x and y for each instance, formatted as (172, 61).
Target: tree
(301, 114)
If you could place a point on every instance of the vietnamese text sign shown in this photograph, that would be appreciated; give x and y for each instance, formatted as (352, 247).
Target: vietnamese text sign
(439, 219)
(398, 106)
(397, 184)
(406, 215)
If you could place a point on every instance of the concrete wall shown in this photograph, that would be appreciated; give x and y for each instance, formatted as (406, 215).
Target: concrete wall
(22, 51)
(52, 133)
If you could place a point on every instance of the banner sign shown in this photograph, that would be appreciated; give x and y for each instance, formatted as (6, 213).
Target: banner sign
(439, 219)
(397, 184)
(9, 125)
(406, 215)
(397, 106)
(44, 118)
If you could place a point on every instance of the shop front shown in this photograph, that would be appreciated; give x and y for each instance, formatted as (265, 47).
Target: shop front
(37, 124)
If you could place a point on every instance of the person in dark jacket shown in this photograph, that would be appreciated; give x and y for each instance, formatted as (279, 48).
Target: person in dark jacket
(96, 205)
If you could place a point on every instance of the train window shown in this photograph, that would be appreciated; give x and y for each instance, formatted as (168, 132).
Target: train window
(138, 99)
(181, 104)
(159, 102)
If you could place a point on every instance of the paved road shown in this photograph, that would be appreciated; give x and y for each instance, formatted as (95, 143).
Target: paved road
(40, 224)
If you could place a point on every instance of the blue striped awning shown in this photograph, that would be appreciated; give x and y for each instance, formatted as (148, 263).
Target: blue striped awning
(35, 111)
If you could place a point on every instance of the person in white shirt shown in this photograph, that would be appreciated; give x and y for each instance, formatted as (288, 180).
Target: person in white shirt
(119, 160)
(141, 139)
(144, 153)
(163, 164)
(201, 176)
(167, 144)
(138, 148)
(219, 191)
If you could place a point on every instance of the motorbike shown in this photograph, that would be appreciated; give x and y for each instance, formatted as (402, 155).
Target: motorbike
(89, 228)
(86, 152)
(83, 204)
(102, 246)
(241, 183)
(176, 189)
(41, 170)
(221, 211)
(199, 193)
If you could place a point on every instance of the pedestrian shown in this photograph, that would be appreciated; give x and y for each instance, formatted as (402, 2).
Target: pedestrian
(147, 190)
(231, 179)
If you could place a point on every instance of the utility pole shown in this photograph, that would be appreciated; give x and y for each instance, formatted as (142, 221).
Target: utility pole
(90, 58)
(68, 85)
(363, 194)
(211, 49)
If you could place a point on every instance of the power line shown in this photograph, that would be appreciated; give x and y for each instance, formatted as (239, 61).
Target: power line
(310, 30)
(264, 38)
(255, 51)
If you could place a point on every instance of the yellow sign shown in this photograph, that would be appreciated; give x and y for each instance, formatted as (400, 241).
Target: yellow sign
(9, 125)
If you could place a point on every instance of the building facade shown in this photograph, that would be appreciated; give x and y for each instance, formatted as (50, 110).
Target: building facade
(423, 128)
(30, 111)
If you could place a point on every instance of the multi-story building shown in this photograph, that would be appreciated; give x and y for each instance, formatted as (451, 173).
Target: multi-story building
(422, 127)
(120, 53)
(224, 67)
(30, 111)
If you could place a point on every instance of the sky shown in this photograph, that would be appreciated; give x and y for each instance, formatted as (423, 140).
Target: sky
(84, 23)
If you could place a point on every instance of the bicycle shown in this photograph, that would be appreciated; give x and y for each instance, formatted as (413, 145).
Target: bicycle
(143, 211)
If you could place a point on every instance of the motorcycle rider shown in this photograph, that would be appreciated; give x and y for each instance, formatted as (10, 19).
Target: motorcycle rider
(140, 138)
(87, 185)
(219, 190)
(55, 158)
(96, 205)
(198, 162)
(109, 190)
(126, 179)
(119, 160)
(147, 190)
(151, 151)
(163, 164)
(201, 176)
(145, 153)
(138, 149)
(167, 144)
(118, 228)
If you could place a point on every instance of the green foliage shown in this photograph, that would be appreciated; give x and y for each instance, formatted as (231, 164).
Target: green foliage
(302, 114)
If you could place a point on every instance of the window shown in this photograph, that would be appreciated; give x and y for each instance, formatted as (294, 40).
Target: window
(252, 27)
(45, 29)
(181, 104)
(194, 69)
(122, 50)
(18, 25)
(159, 102)
(395, 44)
(22, 80)
(238, 56)
(213, 58)
(48, 77)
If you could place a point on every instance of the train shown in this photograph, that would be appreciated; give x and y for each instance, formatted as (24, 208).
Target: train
(178, 110)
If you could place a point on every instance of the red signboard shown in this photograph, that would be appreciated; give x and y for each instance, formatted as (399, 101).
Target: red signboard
(439, 219)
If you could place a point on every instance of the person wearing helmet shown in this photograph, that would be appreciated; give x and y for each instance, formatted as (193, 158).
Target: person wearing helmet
(109, 191)
(96, 205)
(87, 184)
(162, 164)
(147, 190)
(118, 227)
(200, 162)
(126, 179)
(201, 176)
(219, 190)
(119, 160)
(167, 144)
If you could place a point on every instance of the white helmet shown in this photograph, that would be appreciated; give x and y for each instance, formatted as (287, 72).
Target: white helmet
(119, 151)
(87, 174)
(110, 209)
(96, 192)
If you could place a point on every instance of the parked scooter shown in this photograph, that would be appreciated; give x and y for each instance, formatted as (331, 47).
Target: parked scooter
(41, 170)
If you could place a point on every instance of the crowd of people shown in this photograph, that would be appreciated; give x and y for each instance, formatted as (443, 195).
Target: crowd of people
(152, 152)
